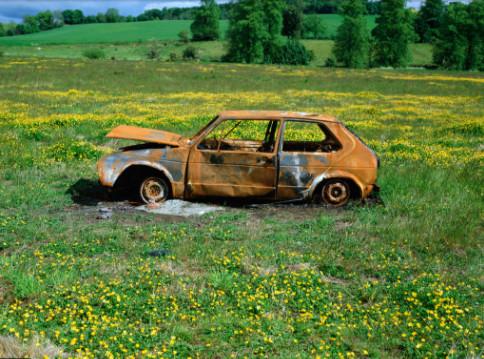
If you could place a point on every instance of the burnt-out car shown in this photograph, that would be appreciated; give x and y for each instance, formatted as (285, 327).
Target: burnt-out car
(268, 155)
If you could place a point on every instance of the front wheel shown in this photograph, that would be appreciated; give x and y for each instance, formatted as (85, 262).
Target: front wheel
(154, 190)
(335, 193)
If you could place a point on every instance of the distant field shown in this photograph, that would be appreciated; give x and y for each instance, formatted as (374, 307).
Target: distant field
(129, 32)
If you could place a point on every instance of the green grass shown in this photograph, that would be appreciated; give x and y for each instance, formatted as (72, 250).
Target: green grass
(105, 33)
(395, 281)
(209, 51)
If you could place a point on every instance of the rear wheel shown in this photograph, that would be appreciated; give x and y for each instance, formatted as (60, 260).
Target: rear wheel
(335, 193)
(154, 189)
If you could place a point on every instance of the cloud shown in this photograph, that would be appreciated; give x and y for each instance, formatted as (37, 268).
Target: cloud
(162, 4)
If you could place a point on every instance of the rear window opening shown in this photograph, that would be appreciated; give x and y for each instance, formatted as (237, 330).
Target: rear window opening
(304, 136)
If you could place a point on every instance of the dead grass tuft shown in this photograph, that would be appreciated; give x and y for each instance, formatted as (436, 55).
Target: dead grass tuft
(11, 347)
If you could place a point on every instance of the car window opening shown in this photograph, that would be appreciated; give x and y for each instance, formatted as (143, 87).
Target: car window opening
(304, 136)
(242, 135)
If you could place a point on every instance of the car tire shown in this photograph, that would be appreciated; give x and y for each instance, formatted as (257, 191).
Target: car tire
(154, 189)
(335, 193)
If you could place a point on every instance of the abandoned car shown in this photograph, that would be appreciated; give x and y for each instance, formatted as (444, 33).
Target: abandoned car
(270, 155)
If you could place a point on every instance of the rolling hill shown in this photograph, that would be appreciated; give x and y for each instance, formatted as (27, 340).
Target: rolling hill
(129, 32)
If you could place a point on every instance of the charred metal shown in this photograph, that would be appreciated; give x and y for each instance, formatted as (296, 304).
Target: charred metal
(268, 155)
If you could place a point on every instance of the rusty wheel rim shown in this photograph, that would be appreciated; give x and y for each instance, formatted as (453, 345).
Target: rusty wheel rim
(336, 193)
(153, 190)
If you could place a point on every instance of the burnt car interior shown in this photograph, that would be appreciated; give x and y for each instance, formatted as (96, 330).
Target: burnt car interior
(242, 135)
(306, 136)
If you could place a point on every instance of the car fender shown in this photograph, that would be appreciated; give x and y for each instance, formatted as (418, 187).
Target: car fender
(111, 168)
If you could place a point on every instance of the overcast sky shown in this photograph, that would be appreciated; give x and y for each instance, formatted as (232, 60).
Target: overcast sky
(15, 10)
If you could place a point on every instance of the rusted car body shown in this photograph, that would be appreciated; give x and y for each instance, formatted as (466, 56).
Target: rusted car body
(268, 155)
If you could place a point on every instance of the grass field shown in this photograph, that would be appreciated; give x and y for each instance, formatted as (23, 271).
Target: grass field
(208, 51)
(399, 280)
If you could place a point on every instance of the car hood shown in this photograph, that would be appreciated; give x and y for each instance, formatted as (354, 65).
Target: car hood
(148, 135)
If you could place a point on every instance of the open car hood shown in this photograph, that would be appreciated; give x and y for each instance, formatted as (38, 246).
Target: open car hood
(147, 135)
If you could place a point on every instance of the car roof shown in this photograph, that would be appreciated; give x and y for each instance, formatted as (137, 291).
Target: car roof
(261, 115)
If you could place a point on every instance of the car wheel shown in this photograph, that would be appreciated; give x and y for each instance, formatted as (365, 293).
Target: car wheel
(335, 193)
(154, 190)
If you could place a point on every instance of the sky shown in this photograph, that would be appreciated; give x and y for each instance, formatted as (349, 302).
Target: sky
(15, 10)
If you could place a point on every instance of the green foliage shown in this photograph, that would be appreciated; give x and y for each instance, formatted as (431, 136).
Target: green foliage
(460, 39)
(351, 46)
(428, 20)
(392, 35)
(73, 17)
(153, 52)
(94, 54)
(292, 52)
(330, 62)
(191, 53)
(2, 30)
(254, 29)
(100, 17)
(205, 26)
(173, 56)
(293, 19)
(184, 36)
(313, 27)
(112, 15)
(475, 57)
(46, 20)
(450, 49)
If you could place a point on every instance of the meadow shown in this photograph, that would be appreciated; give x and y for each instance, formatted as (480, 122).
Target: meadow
(403, 279)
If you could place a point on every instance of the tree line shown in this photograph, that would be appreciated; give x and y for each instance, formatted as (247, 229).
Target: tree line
(456, 32)
(46, 20)
(269, 31)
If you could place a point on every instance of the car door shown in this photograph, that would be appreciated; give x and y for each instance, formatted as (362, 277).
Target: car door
(307, 150)
(237, 158)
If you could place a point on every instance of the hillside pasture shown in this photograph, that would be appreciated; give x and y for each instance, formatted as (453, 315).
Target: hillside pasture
(126, 32)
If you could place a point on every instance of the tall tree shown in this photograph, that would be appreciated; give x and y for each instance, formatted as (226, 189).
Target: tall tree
(392, 35)
(293, 18)
(428, 20)
(460, 40)
(205, 26)
(450, 48)
(73, 17)
(313, 27)
(46, 20)
(112, 15)
(2, 30)
(30, 25)
(351, 46)
(254, 30)
(475, 51)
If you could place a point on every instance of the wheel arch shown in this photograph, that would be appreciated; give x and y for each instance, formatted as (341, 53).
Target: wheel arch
(142, 168)
(356, 187)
